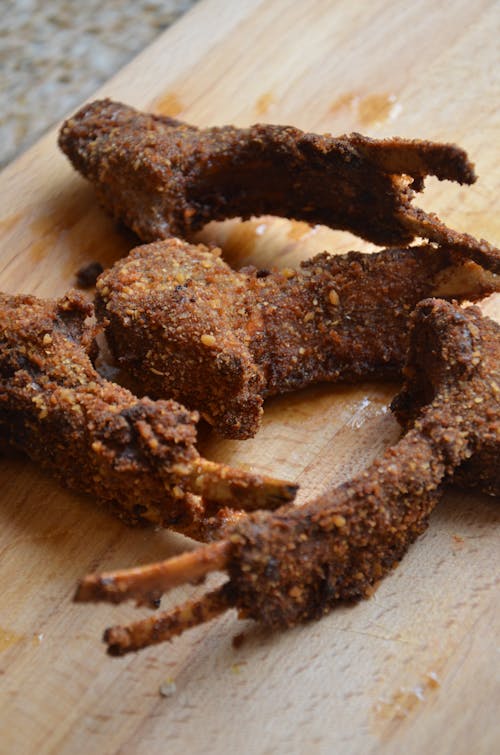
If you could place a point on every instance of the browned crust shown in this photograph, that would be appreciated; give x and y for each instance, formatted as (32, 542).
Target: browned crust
(136, 455)
(185, 325)
(162, 177)
(297, 563)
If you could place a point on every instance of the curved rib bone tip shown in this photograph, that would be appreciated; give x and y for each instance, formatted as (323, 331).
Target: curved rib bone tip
(162, 177)
(295, 564)
(145, 581)
(164, 626)
(137, 455)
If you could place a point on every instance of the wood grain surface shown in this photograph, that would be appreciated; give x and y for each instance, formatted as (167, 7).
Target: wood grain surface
(415, 669)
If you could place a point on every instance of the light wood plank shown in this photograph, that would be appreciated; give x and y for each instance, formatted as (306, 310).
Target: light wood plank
(415, 669)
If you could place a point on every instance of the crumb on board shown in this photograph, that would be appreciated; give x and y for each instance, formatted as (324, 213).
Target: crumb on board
(168, 688)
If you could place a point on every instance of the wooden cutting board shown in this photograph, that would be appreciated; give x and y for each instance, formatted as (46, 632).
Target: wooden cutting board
(415, 669)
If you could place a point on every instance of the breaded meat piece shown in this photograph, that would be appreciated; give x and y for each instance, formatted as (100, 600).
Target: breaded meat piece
(162, 177)
(187, 326)
(137, 455)
(295, 564)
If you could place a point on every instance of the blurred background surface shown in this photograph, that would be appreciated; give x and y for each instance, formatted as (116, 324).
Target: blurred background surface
(55, 53)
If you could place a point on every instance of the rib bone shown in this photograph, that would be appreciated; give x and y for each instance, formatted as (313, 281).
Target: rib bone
(136, 454)
(296, 563)
(163, 178)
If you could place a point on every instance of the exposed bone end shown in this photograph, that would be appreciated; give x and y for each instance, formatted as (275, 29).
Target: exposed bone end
(166, 625)
(372, 180)
(237, 488)
(467, 280)
(294, 565)
(428, 225)
(147, 583)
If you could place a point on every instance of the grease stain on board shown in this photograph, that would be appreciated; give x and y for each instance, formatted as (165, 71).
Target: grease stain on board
(368, 110)
(240, 242)
(401, 704)
(8, 223)
(9, 638)
(54, 220)
(264, 103)
(298, 229)
(244, 238)
(376, 109)
(342, 101)
(69, 232)
(168, 104)
(266, 241)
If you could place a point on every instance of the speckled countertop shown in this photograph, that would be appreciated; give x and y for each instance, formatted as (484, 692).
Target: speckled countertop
(55, 53)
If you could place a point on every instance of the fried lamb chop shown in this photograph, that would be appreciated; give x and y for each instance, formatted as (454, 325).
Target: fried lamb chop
(293, 565)
(137, 455)
(163, 178)
(187, 326)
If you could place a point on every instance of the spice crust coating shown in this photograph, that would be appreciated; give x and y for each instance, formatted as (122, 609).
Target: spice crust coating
(163, 178)
(293, 565)
(136, 455)
(187, 326)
